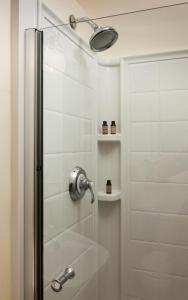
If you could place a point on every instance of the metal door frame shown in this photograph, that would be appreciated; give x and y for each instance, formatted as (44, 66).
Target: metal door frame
(33, 170)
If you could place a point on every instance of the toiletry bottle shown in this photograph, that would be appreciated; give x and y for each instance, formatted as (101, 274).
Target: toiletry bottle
(113, 127)
(108, 187)
(104, 127)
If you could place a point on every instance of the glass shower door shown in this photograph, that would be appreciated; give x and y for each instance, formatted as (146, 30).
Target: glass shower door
(69, 87)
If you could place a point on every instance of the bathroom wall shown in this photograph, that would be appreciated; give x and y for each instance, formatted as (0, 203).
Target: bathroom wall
(156, 148)
(24, 14)
(109, 92)
(69, 141)
(62, 9)
(5, 150)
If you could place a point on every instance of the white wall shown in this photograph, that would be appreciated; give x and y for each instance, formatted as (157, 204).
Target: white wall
(24, 15)
(5, 150)
(109, 94)
(63, 8)
(157, 179)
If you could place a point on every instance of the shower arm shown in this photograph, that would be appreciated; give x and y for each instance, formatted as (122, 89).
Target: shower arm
(89, 21)
(73, 22)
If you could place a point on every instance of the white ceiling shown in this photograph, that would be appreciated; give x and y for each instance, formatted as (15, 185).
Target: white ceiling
(100, 8)
(143, 33)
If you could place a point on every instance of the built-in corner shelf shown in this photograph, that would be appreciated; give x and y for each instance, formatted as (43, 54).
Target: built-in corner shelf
(109, 137)
(115, 196)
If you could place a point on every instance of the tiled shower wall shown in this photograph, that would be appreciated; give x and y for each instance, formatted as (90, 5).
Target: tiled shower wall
(157, 191)
(69, 141)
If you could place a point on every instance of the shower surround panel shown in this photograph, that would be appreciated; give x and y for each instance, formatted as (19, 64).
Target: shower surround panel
(157, 179)
(69, 141)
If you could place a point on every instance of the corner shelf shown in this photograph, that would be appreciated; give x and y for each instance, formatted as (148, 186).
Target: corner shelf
(109, 137)
(115, 196)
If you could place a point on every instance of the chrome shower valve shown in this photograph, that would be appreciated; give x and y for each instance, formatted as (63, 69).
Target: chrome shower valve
(79, 184)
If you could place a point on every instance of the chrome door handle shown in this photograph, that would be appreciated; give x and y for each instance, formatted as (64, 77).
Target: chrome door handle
(79, 184)
(57, 284)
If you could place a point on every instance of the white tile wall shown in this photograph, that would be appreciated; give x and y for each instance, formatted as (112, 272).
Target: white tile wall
(173, 288)
(173, 105)
(54, 212)
(137, 107)
(143, 77)
(144, 226)
(88, 291)
(145, 137)
(144, 285)
(108, 170)
(173, 74)
(131, 298)
(69, 141)
(109, 95)
(173, 260)
(159, 197)
(144, 256)
(173, 137)
(157, 223)
(109, 236)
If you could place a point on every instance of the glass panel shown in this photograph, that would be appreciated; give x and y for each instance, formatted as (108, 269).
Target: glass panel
(131, 243)
(70, 227)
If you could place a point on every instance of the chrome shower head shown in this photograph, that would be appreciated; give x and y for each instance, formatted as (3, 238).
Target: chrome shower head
(102, 38)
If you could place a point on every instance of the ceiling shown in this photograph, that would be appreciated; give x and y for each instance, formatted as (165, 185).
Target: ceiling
(100, 8)
(142, 33)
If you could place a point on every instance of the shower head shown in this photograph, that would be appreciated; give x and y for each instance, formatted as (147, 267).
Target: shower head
(102, 38)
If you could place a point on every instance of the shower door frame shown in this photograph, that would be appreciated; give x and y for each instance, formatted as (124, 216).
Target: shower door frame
(33, 170)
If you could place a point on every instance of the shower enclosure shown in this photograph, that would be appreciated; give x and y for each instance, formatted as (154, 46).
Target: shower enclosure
(81, 243)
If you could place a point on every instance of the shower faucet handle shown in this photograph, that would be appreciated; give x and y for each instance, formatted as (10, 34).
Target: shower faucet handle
(79, 184)
(90, 186)
(85, 183)
(57, 284)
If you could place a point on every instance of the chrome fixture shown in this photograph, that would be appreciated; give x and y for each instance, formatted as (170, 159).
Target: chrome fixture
(57, 284)
(79, 184)
(102, 38)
